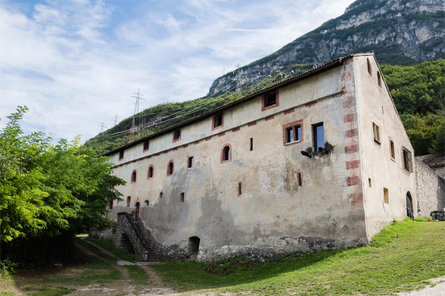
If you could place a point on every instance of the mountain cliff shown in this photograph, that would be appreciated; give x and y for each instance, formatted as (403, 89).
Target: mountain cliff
(400, 32)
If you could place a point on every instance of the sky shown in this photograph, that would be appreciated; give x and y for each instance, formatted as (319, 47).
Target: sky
(76, 64)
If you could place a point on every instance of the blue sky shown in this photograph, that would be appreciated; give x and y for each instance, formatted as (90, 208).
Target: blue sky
(76, 63)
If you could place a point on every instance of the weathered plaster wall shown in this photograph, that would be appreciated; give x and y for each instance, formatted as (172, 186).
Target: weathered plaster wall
(273, 213)
(379, 169)
(430, 190)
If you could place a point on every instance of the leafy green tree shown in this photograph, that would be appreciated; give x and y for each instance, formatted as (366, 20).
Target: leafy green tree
(48, 190)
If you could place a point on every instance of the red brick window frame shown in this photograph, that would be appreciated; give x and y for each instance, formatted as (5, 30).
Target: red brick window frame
(133, 176)
(270, 100)
(293, 132)
(150, 172)
(146, 146)
(217, 121)
(176, 135)
(226, 153)
(170, 168)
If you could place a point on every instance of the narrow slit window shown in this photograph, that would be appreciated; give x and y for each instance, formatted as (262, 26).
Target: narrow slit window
(150, 172)
(300, 180)
(240, 189)
(318, 136)
(385, 195)
(170, 168)
(369, 67)
(376, 132)
(133, 177)
(182, 197)
(190, 162)
(218, 120)
(391, 149)
(121, 154)
(369, 182)
(251, 144)
(128, 201)
(146, 145)
(161, 194)
(379, 79)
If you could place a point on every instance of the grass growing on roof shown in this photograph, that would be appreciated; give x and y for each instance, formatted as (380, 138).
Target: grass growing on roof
(400, 258)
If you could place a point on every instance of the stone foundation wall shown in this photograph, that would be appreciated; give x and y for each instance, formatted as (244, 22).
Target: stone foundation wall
(430, 189)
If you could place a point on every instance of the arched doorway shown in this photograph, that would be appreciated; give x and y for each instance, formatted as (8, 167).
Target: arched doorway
(136, 211)
(409, 206)
(126, 244)
(193, 246)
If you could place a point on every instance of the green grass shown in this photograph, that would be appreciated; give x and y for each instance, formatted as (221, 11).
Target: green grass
(109, 246)
(400, 258)
(137, 274)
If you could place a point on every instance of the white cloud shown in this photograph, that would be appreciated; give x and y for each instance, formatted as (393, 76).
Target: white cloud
(76, 63)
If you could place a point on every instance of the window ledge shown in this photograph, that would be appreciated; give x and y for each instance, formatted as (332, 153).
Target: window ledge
(291, 143)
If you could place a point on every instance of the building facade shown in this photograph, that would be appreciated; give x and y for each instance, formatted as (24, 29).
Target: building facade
(316, 162)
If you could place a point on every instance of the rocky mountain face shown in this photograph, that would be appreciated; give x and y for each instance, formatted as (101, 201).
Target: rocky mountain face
(398, 31)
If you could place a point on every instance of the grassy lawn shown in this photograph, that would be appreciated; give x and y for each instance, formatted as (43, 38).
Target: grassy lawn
(400, 258)
(108, 245)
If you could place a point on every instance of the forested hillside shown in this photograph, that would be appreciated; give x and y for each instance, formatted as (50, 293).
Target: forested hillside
(418, 92)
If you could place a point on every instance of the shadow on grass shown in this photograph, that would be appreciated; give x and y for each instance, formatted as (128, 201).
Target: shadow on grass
(194, 275)
(82, 270)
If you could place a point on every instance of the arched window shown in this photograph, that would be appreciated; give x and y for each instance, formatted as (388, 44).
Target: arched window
(133, 176)
(226, 153)
(170, 168)
(128, 200)
(150, 172)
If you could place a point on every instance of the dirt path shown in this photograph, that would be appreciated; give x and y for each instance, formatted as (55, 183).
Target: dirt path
(154, 286)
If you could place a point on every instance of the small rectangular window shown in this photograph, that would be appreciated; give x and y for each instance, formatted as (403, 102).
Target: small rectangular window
(300, 180)
(239, 188)
(369, 67)
(182, 196)
(251, 144)
(376, 132)
(270, 100)
(385, 195)
(121, 154)
(318, 136)
(176, 135)
(190, 162)
(146, 145)
(407, 160)
(217, 120)
(391, 149)
(379, 79)
(369, 182)
(293, 134)
(160, 194)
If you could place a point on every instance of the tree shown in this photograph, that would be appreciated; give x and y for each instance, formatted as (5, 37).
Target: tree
(48, 190)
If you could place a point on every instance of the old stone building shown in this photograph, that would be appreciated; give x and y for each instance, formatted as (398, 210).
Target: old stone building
(318, 161)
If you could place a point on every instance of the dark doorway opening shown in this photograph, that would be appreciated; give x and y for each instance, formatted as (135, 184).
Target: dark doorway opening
(409, 206)
(126, 244)
(193, 246)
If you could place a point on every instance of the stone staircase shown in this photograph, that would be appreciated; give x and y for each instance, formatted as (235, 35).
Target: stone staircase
(129, 235)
